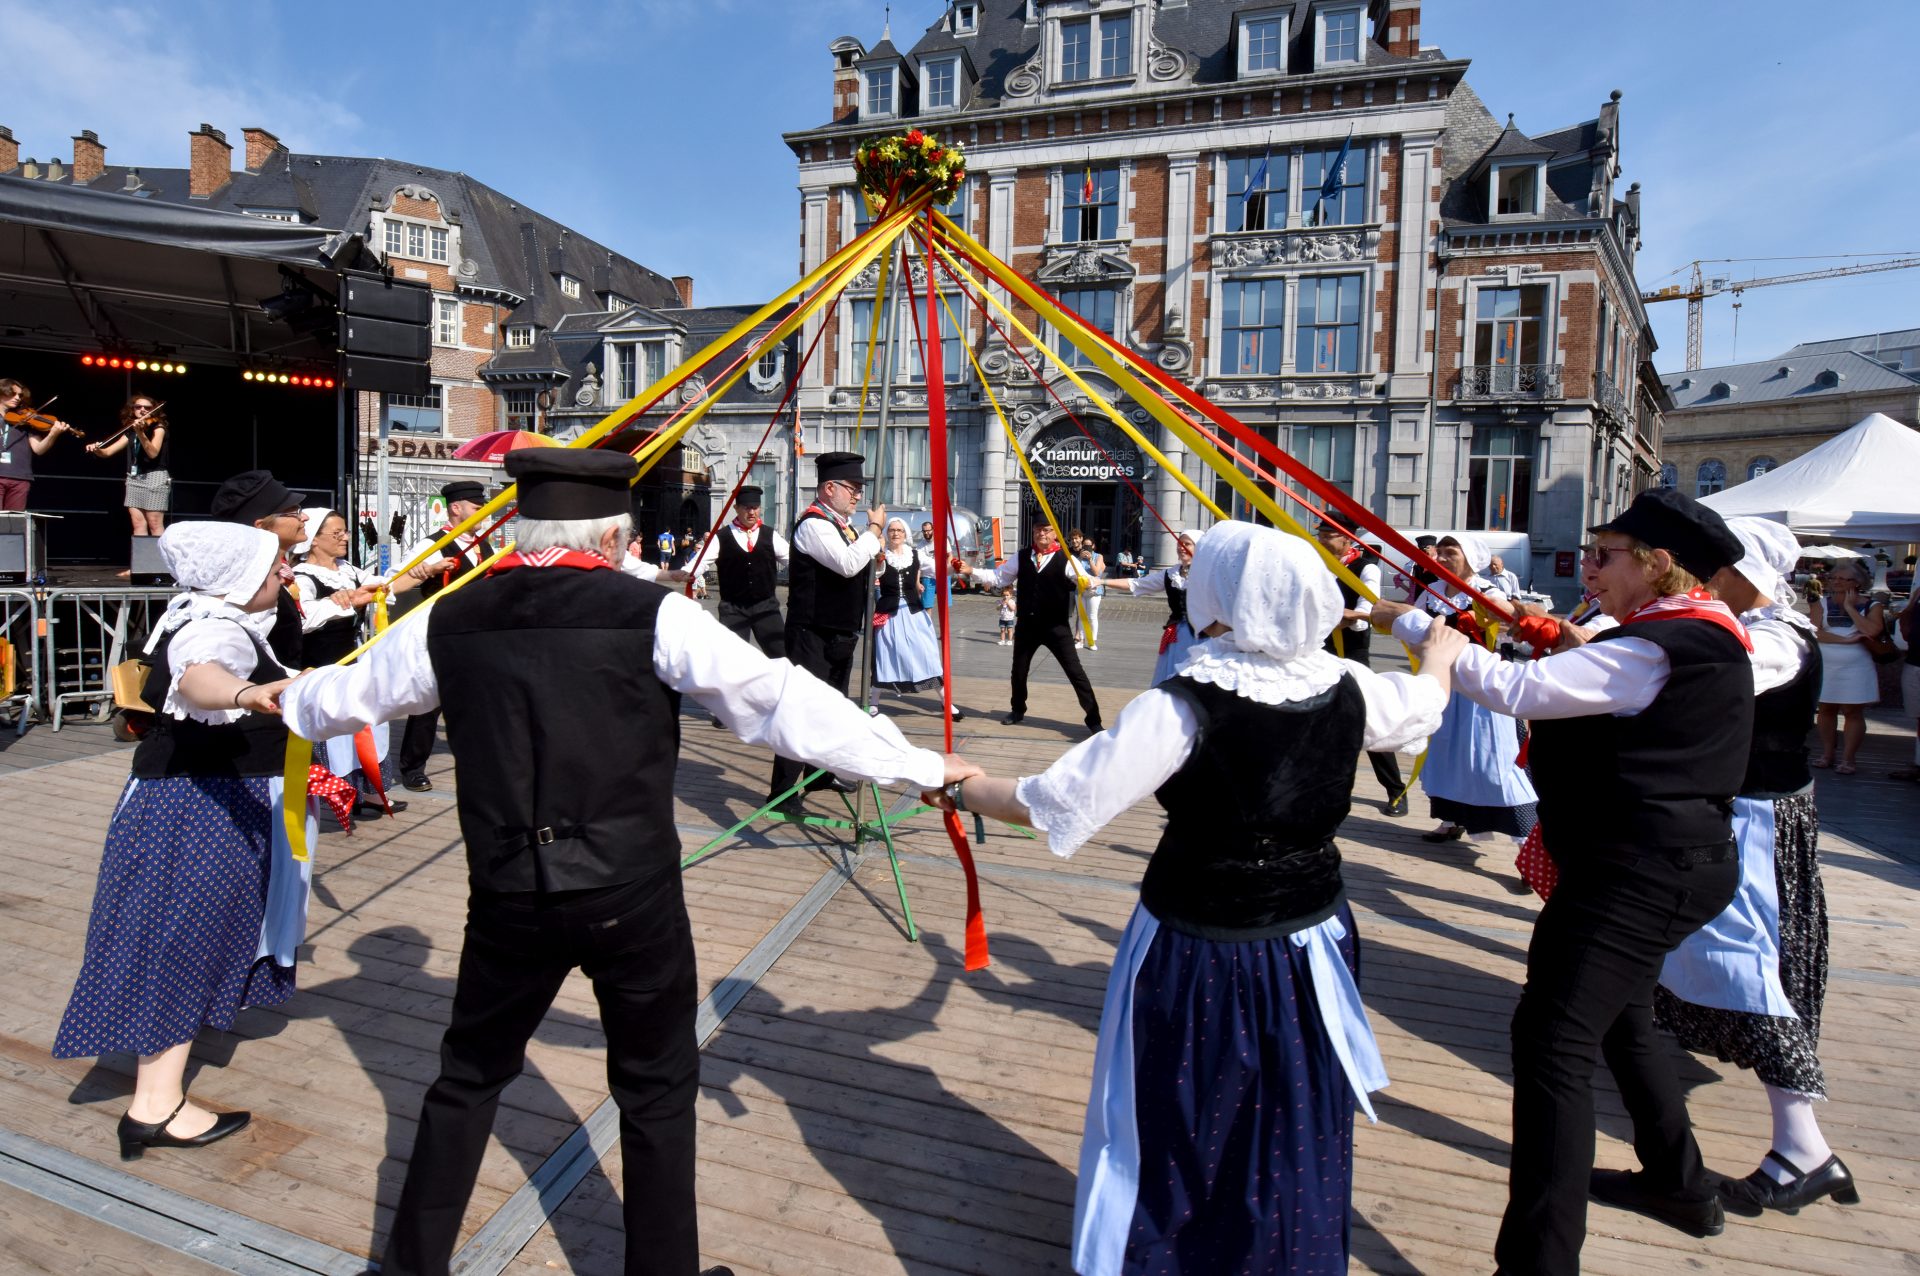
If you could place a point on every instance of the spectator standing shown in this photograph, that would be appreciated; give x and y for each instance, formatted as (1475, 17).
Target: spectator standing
(1843, 622)
(1503, 579)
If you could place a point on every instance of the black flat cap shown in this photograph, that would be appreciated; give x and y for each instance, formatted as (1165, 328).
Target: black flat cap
(572, 482)
(748, 497)
(464, 490)
(252, 496)
(844, 467)
(1667, 518)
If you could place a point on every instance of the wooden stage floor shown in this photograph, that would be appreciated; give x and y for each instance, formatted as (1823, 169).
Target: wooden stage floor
(866, 1106)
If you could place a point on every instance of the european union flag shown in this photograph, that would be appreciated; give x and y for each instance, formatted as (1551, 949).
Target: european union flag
(1257, 184)
(1336, 177)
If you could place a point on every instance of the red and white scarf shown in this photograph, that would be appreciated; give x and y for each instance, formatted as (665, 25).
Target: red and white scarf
(1695, 604)
(554, 557)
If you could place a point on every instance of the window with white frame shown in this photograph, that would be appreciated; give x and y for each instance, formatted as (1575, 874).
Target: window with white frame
(941, 78)
(522, 408)
(1327, 336)
(1328, 451)
(1333, 186)
(653, 363)
(415, 413)
(569, 286)
(395, 237)
(1500, 478)
(1076, 50)
(273, 214)
(1091, 209)
(965, 18)
(446, 321)
(1116, 45)
(416, 240)
(1096, 306)
(519, 337)
(906, 358)
(1263, 43)
(1257, 191)
(626, 372)
(616, 303)
(1252, 326)
(879, 91)
(1507, 333)
(1339, 36)
(1711, 477)
(1517, 190)
(437, 243)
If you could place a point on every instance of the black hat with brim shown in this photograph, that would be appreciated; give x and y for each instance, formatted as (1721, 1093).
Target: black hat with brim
(252, 496)
(571, 483)
(464, 490)
(842, 467)
(748, 498)
(1667, 518)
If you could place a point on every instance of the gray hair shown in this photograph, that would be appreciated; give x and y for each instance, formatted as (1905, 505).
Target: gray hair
(533, 534)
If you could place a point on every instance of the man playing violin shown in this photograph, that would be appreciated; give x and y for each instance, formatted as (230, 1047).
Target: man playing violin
(24, 435)
(143, 437)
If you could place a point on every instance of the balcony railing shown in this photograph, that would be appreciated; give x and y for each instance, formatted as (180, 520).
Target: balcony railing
(1609, 398)
(1511, 381)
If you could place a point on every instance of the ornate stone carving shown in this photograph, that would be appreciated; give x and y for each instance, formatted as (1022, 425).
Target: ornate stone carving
(1345, 246)
(1165, 64)
(1242, 252)
(869, 278)
(694, 390)
(1084, 263)
(996, 361)
(1026, 81)
(1175, 355)
(768, 382)
(844, 398)
(589, 391)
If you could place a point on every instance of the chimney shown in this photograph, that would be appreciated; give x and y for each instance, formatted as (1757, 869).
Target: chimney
(9, 150)
(56, 171)
(1398, 30)
(846, 77)
(211, 162)
(683, 284)
(30, 169)
(89, 157)
(133, 182)
(260, 147)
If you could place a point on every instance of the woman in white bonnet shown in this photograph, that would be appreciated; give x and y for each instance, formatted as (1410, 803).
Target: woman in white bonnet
(1178, 636)
(1233, 1046)
(178, 938)
(1747, 987)
(906, 648)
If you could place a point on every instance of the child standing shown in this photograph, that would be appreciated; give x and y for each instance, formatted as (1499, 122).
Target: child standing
(1007, 616)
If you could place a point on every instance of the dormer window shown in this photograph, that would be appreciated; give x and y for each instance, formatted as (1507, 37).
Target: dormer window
(569, 286)
(1517, 189)
(520, 337)
(616, 303)
(1263, 43)
(1338, 42)
(1096, 47)
(879, 92)
(942, 84)
(965, 18)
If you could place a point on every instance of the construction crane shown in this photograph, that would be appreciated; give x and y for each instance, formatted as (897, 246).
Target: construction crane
(1703, 285)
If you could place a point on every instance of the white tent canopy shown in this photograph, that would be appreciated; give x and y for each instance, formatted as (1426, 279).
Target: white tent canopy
(1860, 485)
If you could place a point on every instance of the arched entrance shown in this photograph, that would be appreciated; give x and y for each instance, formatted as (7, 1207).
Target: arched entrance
(1086, 482)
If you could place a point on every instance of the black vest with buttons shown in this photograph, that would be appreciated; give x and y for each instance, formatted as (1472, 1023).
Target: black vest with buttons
(747, 577)
(253, 745)
(1044, 595)
(1355, 644)
(900, 584)
(819, 596)
(564, 739)
(1777, 765)
(1663, 778)
(1248, 852)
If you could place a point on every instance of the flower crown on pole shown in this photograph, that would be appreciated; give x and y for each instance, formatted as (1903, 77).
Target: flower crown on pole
(895, 168)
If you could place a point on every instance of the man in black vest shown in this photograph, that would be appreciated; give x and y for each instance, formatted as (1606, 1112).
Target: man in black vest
(829, 588)
(258, 498)
(750, 555)
(1356, 638)
(463, 498)
(1045, 582)
(566, 806)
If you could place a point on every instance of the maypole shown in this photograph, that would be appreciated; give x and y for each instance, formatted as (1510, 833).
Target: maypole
(899, 266)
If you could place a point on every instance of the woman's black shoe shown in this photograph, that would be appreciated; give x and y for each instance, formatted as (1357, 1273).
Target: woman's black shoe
(137, 1136)
(1758, 1192)
(1452, 833)
(369, 809)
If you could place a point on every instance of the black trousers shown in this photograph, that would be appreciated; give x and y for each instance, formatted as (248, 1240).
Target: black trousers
(633, 941)
(1591, 969)
(757, 622)
(1386, 767)
(828, 655)
(416, 742)
(1030, 636)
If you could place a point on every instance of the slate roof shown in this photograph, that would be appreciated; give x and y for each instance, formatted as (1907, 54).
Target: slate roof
(513, 249)
(1901, 346)
(1475, 138)
(579, 343)
(1786, 377)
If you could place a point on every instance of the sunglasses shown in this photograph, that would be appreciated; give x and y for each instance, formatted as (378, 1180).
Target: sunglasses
(1601, 555)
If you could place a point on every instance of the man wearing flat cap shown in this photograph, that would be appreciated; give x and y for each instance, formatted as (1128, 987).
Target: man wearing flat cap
(829, 582)
(749, 555)
(258, 499)
(1640, 743)
(566, 807)
(463, 497)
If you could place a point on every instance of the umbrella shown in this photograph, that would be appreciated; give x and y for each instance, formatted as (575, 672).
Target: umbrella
(1829, 553)
(495, 446)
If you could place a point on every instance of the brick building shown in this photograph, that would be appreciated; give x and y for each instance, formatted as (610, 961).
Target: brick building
(1298, 209)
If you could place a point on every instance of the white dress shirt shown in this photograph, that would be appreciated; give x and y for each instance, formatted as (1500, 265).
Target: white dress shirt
(816, 539)
(1100, 777)
(1621, 677)
(639, 568)
(466, 542)
(1008, 573)
(1369, 574)
(745, 540)
(764, 701)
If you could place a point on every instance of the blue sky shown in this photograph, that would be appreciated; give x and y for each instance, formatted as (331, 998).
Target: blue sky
(1756, 128)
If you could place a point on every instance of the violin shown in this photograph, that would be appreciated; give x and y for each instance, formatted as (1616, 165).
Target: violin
(142, 423)
(38, 422)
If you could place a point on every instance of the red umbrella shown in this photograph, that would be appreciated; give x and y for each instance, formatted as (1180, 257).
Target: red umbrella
(495, 446)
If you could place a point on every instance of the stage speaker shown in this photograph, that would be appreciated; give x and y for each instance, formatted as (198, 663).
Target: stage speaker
(148, 568)
(13, 556)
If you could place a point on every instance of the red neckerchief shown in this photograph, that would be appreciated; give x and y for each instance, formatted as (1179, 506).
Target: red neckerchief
(844, 528)
(555, 557)
(752, 533)
(1351, 556)
(1695, 604)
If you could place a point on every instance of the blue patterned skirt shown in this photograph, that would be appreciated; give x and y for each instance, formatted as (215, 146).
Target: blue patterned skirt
(906, 652)
(176, 927)
(1472, 774)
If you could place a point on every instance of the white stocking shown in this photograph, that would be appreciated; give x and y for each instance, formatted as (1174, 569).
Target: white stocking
(1796, 1134)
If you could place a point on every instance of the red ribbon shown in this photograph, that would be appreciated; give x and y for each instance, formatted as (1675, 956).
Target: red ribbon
(334, 791)
(368, 756)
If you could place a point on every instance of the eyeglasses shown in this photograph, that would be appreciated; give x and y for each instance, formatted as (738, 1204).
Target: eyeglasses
(1601, 555)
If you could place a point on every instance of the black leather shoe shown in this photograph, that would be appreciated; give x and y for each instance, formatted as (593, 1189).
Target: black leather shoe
(1452, 833)
(830, 781)
(369, 809)
(1628, 1190)
(1758, 1192)
(418, 781)
(1013, 719)
(792, 808)
(137, 1136)
(1396, 807)
(717, 1271)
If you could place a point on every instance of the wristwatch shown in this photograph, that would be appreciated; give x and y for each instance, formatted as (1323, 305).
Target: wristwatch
(956, 794)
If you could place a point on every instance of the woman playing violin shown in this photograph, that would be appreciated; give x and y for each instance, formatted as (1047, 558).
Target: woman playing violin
(143, 437)
(24, 435)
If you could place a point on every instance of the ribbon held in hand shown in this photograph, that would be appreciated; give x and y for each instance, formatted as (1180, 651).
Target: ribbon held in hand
(1542, 633)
